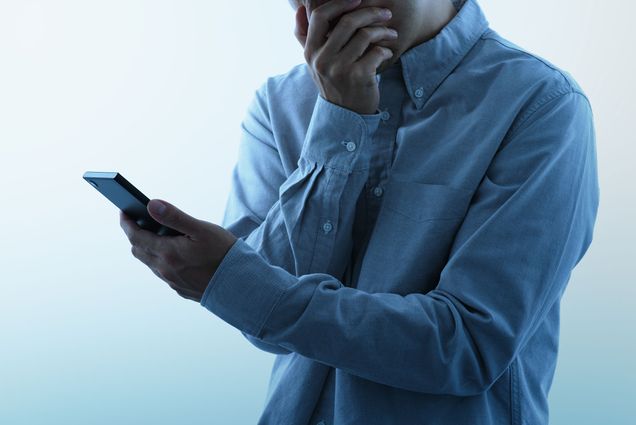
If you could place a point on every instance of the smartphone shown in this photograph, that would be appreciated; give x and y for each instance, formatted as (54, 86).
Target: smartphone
(128, 199)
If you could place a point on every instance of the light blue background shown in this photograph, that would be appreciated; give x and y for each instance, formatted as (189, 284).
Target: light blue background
(156, 90)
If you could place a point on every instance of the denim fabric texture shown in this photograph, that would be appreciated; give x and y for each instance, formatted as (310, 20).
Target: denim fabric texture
(406, 267)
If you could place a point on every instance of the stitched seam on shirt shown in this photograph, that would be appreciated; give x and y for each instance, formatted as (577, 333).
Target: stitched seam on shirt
(510, 397)
(426, 220)
(447, 70)
(317, 231)
(516, 408)
(533, 109)
(543, 305)
(530, 111)
(335, 202)
(346, 113)
(220, 271)
(543, 61)
(259, 331)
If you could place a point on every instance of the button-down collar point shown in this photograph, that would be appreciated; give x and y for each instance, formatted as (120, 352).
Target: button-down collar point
(426, 65)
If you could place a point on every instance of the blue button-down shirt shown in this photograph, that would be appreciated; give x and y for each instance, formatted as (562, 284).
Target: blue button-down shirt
(406, 267)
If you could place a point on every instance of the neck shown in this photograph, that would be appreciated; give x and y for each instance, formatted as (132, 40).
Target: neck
(427, 21)
(434, 16)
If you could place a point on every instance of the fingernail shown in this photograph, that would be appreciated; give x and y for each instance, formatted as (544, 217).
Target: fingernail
(386, 13)
(157, 207)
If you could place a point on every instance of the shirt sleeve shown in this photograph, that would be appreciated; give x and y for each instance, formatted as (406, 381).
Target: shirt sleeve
(529, 224)
(303, 221)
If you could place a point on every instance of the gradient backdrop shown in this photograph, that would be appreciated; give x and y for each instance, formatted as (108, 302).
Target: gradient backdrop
(156, 89)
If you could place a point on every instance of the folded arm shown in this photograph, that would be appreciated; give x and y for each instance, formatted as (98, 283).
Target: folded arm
(282, 217)
(529, 224)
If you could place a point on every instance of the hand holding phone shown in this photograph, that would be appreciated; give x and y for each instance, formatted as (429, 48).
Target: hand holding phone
(128, 199)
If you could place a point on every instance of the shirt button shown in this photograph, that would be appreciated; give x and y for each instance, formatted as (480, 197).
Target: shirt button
(385, 116)
(327, 227)
(351, 146)
(419, 93)
(378, 191)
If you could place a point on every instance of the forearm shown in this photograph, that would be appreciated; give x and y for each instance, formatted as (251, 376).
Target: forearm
(308, 227)
(502, 276)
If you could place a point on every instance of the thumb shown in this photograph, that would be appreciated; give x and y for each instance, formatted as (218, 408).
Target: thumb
(302, 25)
(169, 215)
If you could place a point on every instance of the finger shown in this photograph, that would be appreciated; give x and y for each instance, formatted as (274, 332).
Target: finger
(128, 225)
(138, 236)
(174, 218)
(360, 43)
(320, 20)
(144, 256)
(183, 292)
(189, 296)
(187, 293)
(302, 25)
(372, 60)
(351, 23)
(165, 278)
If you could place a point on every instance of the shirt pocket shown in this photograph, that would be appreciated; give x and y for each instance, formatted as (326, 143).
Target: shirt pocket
(423, 202)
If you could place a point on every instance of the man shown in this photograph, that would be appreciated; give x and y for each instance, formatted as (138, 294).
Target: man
(400, 241)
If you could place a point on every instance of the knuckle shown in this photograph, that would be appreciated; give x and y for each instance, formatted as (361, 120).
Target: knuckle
(319, 15)
(386, 52)
(348, 20)
(321, 66)
(169, 259)
(168, 276)
(357, 73)
(161, 271)
(332, 74)
(378, 50)
(338, 71)
(366, 33)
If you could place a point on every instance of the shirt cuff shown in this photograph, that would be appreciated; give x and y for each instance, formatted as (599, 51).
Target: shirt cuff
(245, 288)
(339, 137)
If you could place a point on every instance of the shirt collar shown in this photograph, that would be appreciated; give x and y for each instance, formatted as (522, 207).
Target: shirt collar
(426, 65)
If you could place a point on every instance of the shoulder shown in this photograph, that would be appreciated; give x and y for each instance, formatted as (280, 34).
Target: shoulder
(284, 105)
(292, 87)
(287, 96)
(528, 68)
(289, 101)
(533, 81)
